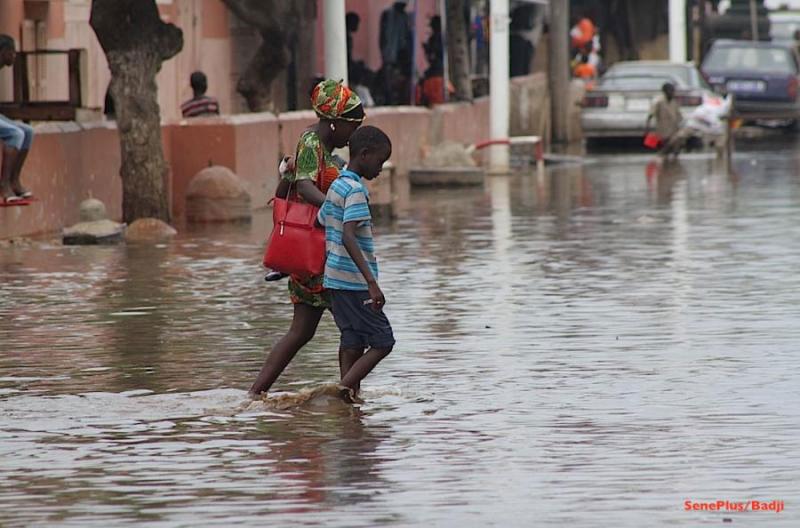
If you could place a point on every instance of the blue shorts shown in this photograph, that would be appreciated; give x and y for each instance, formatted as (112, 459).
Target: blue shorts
(14, 134)
(361, 326)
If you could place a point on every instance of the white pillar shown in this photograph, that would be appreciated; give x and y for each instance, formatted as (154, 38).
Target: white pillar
(335, 40)
(677, 30)
(499, 85)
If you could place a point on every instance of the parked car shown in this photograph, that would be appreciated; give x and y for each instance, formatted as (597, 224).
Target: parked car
(784, 26)
(763, 77)
(621, 100)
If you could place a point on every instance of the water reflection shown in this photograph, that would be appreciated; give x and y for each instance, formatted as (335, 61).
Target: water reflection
(590, 345)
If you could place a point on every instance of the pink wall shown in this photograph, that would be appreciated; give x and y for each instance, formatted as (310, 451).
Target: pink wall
(69, 163)
(467, 124)
(408, 127)
(247, 144)
(292, 126)
(13, 13)
(366, 39)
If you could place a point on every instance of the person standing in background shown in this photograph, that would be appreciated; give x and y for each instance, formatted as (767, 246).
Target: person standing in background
(395, 43)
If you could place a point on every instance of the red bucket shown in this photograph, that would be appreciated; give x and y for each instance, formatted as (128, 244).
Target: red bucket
(652, 140)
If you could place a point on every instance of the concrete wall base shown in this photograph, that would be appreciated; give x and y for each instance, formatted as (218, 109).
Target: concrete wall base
(70, 162)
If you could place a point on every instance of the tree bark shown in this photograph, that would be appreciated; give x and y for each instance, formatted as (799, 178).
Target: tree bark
(136, 41)
(458, 50)
(278, 22)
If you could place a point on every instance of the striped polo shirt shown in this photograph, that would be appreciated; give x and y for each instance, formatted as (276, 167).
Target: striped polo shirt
(202, 106)
(347, 201)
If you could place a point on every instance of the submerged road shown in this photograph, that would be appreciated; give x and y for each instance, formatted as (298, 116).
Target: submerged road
(594, 346)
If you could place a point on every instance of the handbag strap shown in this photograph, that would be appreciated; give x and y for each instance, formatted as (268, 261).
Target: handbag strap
(318, 183)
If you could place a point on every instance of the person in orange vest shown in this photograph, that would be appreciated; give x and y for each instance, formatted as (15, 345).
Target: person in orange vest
(582, 33)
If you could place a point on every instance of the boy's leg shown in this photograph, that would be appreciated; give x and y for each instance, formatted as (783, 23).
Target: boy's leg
(347, 358)
(304, 326)
(364, 366)
(361, 327)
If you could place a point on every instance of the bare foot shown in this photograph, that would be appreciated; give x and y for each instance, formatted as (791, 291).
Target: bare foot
(349, 395)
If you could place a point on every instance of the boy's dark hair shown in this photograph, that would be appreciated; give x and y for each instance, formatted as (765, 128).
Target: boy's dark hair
(6, 42)
(368, 138)
(199, 82)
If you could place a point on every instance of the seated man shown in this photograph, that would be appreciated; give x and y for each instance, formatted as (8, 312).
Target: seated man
(16, 139)
(200, 104)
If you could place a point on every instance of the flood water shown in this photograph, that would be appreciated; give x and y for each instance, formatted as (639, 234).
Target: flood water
(589, 347)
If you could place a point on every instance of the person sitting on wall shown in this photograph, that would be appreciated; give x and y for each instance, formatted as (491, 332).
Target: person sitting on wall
(201, 104)
(430, 89)
(16, 138)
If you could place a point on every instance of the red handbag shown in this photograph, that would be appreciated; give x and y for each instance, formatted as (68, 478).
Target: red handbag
(652, 140)
(296, 245)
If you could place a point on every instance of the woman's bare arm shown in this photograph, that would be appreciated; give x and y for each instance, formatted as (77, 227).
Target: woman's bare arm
(309, 191)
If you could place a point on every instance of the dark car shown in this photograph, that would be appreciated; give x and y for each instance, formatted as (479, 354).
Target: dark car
(762, 76)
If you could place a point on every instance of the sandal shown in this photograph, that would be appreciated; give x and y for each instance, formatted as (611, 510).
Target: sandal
(23, 194)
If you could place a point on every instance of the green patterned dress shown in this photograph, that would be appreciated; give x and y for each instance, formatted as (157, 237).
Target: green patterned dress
(318, 165)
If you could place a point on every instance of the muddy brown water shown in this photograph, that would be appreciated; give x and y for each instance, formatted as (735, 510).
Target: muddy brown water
(589, 347)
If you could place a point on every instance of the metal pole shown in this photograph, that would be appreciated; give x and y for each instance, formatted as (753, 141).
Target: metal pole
(414, 45)
(701, 32)
(753, 20)
(445, 60)
(559, 69)
(335, 40)
(677, 30)
(499, 85)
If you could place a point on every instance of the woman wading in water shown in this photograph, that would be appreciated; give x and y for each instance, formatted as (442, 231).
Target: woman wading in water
(340, 113)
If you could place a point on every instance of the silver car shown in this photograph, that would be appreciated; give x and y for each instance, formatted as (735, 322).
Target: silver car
(620, 102)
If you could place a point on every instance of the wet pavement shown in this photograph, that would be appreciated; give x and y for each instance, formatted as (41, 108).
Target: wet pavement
(593, 346)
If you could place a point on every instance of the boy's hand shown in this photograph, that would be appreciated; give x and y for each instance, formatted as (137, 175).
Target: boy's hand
(376, 296)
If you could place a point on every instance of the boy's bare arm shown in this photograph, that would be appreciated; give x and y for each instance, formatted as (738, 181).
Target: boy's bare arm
(351, 245)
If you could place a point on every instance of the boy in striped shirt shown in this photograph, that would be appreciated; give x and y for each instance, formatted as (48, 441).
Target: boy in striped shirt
(351, 270)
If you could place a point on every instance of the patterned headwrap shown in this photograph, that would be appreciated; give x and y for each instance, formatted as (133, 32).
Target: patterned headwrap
(332, 99)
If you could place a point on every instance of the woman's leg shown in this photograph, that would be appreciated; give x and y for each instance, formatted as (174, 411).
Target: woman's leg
(304, 326)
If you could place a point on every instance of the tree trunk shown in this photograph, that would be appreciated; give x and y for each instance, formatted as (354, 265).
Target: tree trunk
(255, 84)
(458, 50)
(277, 21)
(136, 42)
